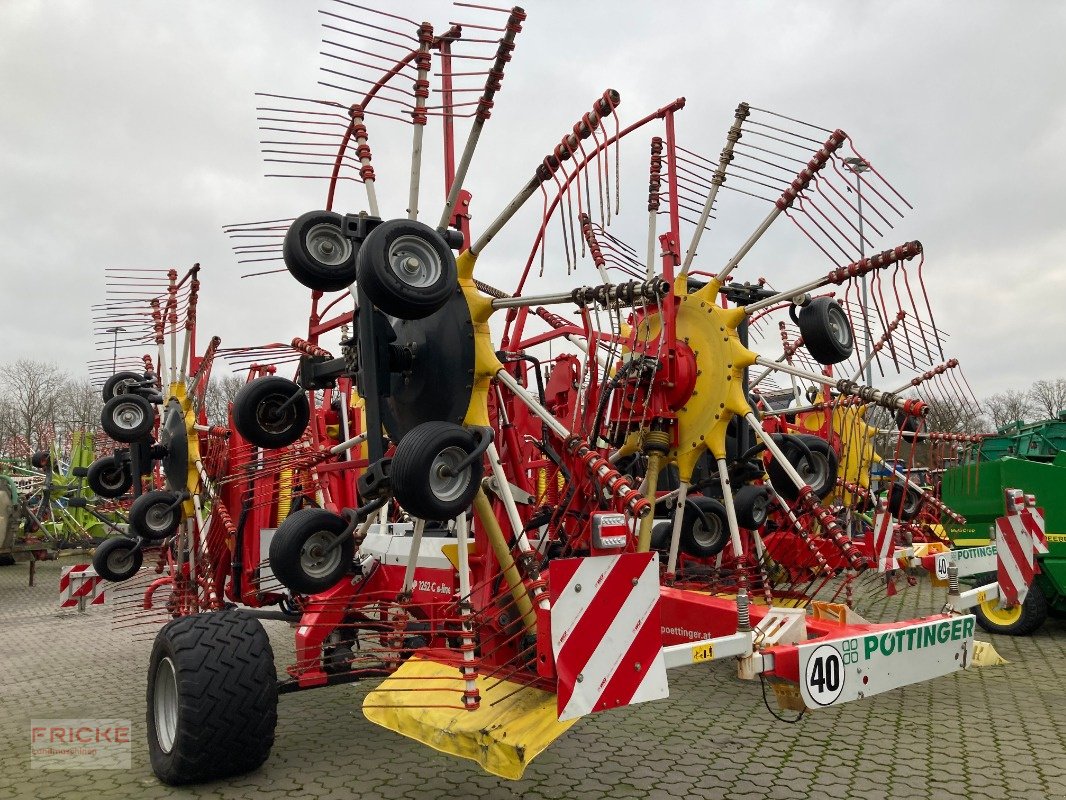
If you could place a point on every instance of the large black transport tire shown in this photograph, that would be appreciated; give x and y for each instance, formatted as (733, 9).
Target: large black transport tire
(109, 477)
(819, 472)
(264, 415)
(318, 254)
(406, 269)
(298, 552)
(117, 559)
(127, 418)
(1016, 621)
(212, 698)
(424, 480)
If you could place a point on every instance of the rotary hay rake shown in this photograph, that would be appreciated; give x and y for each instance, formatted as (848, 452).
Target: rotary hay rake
(55, 498)
(167, 454)
(474, 517)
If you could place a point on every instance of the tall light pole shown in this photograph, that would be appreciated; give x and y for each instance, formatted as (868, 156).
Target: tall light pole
(858, 166)
(114, 346)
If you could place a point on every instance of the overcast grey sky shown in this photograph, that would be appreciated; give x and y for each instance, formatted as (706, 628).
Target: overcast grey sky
(128, 139)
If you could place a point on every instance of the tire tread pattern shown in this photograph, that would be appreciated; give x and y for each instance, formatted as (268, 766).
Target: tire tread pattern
(227, 688)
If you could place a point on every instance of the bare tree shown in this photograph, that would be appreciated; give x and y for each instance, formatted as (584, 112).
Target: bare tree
(80, 404)
(1049, 396)
(33, 389)
(954, 416)
(1008, 406)
(220, 393)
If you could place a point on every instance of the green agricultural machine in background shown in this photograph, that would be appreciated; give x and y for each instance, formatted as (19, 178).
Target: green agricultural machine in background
(57, 510)
(1030, 457)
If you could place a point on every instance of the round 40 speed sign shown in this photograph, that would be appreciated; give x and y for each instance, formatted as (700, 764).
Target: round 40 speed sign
(824, 675)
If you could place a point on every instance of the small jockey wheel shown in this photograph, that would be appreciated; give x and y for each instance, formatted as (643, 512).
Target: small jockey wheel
(127, 418)
(271, 412)
(117, 559)
(156, 515)
(304, 553)
(437, 470)
(318, 254)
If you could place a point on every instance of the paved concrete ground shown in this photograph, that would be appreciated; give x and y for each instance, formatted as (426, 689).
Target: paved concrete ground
(997, 732)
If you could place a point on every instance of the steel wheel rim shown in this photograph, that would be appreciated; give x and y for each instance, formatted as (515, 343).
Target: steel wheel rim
(759, 509)
(327, 244)
(159, 517)
(414, 262)
(128, 416)
(165, 704)
(123, 386)
(268, 418)
(445, 481)
(1000, 616)
(112, 479)
(119, 560)
(315, 562)
(707, 536)
(814, 470)
(837, 325)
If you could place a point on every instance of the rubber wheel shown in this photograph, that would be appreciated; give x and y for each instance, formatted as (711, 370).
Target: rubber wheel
(908, 426)
(660, 535)
(212, 698)
(296, 551)
(257, 417)
(420, 477)
(904, 502)
(826, 330)
(116, 559)
(108, 477)
(127, 418)
(154, 516)
(704, 527)
(120, 383)
(406, 269)
(820, 475)
(1017, 621)
(752, 504)
(318, 254)
(40, 460)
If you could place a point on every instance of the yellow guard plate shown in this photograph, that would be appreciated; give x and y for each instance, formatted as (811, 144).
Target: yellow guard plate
(513, 724)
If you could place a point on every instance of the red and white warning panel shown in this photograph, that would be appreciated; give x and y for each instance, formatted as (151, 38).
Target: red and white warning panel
(80, 582)
(1014, 552)
(1035, 523)
(884, 537)
(606, 632)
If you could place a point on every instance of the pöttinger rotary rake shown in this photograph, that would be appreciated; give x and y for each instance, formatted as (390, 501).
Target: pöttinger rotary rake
(167, 455)
(516, 531)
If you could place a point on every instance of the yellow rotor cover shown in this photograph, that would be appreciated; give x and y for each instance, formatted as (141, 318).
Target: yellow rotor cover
(711, 332)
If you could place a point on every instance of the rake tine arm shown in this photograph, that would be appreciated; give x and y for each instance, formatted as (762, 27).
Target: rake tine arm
(484, 111)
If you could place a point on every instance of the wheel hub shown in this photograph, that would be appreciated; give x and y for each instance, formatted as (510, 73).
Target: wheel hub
(129, 416)
(119, 560)
(274, 415)
(315, 559)
(445, 481)
(158, 516)
(328, 245)
(414, 262)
